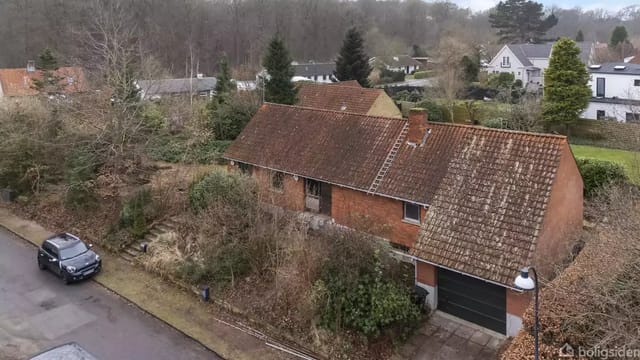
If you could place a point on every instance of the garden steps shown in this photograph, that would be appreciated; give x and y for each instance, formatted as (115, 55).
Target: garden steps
(133, 250)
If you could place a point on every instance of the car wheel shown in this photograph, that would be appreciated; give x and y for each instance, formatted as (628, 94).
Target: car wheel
(41, 266)
(66, 279)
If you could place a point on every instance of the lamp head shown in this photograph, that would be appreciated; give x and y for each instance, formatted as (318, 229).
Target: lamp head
(523, 281)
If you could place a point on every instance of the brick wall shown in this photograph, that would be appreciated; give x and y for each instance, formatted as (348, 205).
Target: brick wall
(374, 214)
(517, 302)
(426, 273)
(290, 197)
(563, 218)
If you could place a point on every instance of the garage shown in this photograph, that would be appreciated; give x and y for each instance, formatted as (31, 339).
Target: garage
(473, 300)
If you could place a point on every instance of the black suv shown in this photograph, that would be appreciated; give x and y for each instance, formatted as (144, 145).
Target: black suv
(68, 257)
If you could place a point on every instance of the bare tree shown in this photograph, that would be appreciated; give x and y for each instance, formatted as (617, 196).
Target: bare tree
(449, 71)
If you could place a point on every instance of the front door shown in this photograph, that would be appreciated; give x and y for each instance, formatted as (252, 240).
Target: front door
(325, 198)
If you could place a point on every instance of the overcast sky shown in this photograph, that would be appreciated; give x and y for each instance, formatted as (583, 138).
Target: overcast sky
(586, 4)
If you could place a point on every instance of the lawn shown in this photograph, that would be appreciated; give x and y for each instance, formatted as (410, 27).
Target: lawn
(629, 159)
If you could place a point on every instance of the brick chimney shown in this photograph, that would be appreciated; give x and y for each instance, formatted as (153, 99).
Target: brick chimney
(417, 125)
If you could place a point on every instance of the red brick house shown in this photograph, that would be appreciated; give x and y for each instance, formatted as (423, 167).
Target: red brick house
(469, 206)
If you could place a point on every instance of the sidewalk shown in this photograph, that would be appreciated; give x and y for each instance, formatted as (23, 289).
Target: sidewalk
(179, 309)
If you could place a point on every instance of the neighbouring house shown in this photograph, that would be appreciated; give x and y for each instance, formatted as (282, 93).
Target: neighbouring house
(156, 89)
(313, 71)
(468, 206)
(528, 62)
(402, 63)
(347, 96)
(20, 81)
(615, 92)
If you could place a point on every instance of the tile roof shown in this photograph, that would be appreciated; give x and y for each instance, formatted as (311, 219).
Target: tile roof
(338, 97)
(352, 83)
(610, 68)
(525, 52)
(332, 146)
(486, 213)
(314, 69)
(398, 61)
(176, 86)
(486, 189)
(19, 82)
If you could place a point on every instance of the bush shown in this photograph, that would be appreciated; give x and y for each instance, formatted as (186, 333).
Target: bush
(220, 186)
(422, 74)
(503, 80)
(358, 289)
(405, 95)
(152, 117)
(227, 119)
(79, 172)
(135, 216)
(495, 123)
(435, 111)
(596, 174)
(176, 149)
(391, 76)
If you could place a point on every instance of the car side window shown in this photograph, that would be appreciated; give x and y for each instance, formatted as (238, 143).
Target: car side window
(50, 249)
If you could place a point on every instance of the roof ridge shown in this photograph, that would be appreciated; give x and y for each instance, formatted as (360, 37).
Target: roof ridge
(337, 84)
(335, 111)
(483, 128)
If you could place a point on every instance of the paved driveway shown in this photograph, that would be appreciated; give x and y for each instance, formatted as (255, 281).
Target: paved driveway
(445, 337)
(37, 311)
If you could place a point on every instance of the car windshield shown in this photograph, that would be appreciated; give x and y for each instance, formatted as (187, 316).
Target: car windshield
(73, 250)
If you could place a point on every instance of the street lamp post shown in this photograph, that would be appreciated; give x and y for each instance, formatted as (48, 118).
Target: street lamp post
(524, 282)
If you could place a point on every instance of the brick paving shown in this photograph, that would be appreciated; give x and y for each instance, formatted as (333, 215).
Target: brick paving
(444, 337)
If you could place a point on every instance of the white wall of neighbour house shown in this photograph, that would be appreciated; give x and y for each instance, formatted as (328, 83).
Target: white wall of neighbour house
(611, 111)
(514, 65)
(616, 85)
(323, 79)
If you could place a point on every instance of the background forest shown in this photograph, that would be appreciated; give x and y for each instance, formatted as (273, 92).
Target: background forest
(184, 34)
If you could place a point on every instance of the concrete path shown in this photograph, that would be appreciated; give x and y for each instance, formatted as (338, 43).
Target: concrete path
(445, 337)
(37, 312)
(180, 309)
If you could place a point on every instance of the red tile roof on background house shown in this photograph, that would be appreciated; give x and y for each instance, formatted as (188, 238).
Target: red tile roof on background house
(19, 82)
(338, 97)
(486, 189)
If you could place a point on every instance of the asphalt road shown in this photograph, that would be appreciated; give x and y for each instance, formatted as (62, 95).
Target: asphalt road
(37, 312)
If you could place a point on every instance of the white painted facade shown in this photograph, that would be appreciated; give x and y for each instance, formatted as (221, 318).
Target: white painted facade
(507, 62)
(405, 69)
(614, 96)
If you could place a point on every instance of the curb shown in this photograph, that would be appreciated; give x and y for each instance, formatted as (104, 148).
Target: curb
(23, 238)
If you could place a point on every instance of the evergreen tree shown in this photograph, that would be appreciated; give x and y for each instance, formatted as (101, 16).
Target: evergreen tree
(278, 85)
(49, 83)
(521, 21)
(353, 62)
(566, 89)
(224, 85)
(47, 61)
(579, 36)
(618, 36)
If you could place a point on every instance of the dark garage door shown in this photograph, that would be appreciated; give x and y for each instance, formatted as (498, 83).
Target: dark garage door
(473, 300)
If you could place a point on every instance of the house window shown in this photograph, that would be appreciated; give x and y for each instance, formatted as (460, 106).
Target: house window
(315, 77)
(505, 61)
(324, 77)
(411, 212)
(633, 117)
(600, 114)
(245, 168)
(518, 73)
(636, 82)
(277, 180)
(600, 87)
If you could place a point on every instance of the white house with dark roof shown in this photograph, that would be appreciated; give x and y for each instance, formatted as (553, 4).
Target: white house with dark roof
(155, 89)
(402, 63)
(527, 62)
(615, 92)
